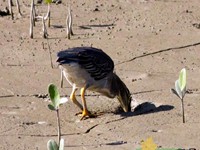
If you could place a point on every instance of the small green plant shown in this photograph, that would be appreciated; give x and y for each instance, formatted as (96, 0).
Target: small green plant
(56, 101)
(180, 89)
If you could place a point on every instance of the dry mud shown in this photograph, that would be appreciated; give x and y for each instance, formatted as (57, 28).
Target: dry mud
(150, 41)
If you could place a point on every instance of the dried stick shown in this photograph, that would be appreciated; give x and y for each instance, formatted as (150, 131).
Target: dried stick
(69, 24)
(67, 29)
(34, 14)
(48, 15)
(44, 29)
(18, 7)
(48, 11)
(10, 9)
(70, 21)
(32, 20)
(49, 21)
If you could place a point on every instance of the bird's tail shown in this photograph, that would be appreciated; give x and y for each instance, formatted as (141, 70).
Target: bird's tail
(122, 92)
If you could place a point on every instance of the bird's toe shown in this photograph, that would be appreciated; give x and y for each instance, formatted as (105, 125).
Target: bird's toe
(87, 114)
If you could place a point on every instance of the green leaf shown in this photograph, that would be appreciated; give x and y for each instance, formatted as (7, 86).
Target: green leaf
(54, 95)
(182, 79)
(178, 90)
(52, 145)
(61, 147)
(174, 92)
(51, 107)
(180, 84)
(48, 1)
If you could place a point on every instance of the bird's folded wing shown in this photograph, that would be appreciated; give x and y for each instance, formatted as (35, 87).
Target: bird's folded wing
(97, 63)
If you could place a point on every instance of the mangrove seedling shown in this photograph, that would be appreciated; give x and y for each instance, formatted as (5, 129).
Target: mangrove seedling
(56, 101)
(180, 89)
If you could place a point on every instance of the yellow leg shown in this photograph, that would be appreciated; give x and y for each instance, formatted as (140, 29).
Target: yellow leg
(74, 100)
(85, 112)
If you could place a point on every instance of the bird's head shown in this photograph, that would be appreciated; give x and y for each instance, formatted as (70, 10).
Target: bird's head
(122, 93)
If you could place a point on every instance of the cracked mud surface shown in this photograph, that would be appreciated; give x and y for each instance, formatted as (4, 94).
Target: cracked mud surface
(150, 41)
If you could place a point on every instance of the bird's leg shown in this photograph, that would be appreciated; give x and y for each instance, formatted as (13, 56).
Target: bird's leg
(85, 112)
(73, 98)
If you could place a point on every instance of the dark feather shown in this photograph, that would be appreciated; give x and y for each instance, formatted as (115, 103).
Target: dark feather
(97, 63)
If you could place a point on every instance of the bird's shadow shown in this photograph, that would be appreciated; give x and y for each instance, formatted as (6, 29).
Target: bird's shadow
(145, 108)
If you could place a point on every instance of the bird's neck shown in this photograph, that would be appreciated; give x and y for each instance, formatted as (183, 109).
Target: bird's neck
(117, 85)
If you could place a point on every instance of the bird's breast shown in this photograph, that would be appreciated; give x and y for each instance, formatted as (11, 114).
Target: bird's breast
(76, 75)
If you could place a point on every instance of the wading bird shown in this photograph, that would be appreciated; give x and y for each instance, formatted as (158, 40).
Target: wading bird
(91, 69)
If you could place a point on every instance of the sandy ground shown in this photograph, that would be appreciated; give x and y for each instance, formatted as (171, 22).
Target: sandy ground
(150, 41)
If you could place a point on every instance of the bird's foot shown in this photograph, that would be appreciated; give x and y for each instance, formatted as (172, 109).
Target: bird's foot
(85, 114)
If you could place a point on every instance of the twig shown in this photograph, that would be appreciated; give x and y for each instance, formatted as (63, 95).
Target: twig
(44, 29)
(34, 14)
(70, 21)
(69, 24)
(18, 7)
(31, 19)
(48, 15)
(49, 20)
(68, 30)
(10, 8)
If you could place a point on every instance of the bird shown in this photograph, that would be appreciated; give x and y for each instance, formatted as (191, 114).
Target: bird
(89, 68)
